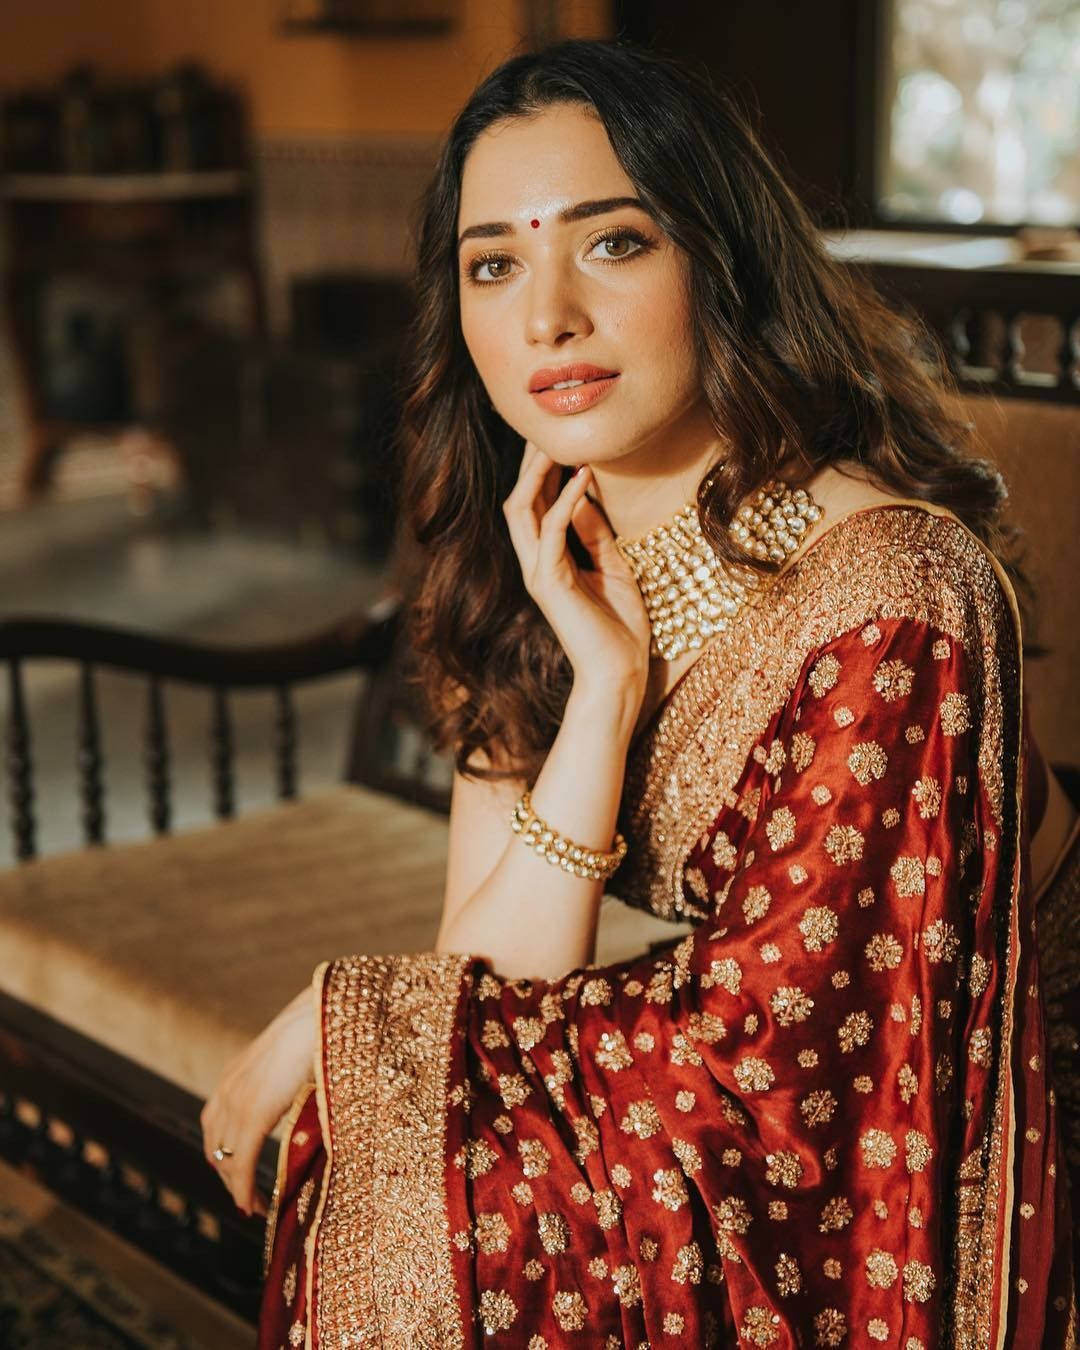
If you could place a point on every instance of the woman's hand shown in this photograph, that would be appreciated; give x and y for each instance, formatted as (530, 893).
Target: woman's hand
(599, 617)
(254, 1092)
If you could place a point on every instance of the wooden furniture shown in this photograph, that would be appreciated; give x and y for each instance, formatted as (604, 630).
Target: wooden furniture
(130, 974)
(120, 1140)
(1011, 331)
(151, 234)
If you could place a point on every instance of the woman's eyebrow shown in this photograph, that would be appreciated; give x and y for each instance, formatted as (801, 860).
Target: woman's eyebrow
(580, 211)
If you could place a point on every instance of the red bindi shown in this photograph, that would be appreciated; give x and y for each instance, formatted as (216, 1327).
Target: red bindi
(535, 224)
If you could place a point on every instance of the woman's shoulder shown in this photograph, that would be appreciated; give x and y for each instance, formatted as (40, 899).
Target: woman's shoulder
(877, 555)
(870, 536)
(843, 488)
(853, 507)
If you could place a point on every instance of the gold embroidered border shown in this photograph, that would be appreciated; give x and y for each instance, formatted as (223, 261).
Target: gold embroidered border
(895, 562)
(312, 1238)
(1059, 952)
(383, 1235)
(905, 561)
(1009, 764)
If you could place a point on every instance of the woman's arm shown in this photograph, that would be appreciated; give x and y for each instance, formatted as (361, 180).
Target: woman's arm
(527, 918)
(499, 901)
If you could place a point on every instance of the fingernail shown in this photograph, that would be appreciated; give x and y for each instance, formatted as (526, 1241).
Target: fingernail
(580, 469)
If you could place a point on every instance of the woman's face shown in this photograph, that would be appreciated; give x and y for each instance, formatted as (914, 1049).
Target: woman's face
(555, 270)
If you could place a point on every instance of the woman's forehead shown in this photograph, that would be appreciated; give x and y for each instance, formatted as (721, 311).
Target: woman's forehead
(535, 166)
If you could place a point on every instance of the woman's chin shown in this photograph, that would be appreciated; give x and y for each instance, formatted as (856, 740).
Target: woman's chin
(571, 447)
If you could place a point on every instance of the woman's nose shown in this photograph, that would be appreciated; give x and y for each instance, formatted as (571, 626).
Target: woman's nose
(555, 310)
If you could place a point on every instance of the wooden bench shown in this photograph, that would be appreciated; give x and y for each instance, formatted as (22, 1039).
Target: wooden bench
(131, 974)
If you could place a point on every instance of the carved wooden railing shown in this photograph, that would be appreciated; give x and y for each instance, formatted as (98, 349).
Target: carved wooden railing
(981, 315)
(117, 1141)
(363, 644)
(124, 1146)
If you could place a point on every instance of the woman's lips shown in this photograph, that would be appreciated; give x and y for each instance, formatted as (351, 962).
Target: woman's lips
(574, 400)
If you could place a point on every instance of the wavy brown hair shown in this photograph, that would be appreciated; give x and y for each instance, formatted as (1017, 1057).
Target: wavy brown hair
(801, 362)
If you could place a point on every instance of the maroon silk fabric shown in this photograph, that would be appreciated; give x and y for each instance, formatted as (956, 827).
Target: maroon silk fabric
(787, 1128)
(299, 1180)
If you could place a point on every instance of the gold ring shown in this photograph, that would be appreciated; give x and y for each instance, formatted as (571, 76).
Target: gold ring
(222, 1153)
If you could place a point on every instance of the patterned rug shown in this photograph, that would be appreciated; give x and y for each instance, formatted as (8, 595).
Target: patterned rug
(54, 1299)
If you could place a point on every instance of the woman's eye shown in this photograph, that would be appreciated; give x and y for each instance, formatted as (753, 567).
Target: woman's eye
(474, 270)
(615, 246)
(617, 241)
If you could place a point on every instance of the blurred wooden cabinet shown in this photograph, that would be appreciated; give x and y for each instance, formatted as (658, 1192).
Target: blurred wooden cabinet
(154, 233)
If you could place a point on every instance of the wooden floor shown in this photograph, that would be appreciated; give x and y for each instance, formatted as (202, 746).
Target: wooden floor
(206, 1324)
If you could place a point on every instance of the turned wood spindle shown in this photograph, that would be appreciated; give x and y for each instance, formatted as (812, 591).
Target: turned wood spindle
(1070, 353)
(285, 742)
(222, 755)
(157, 758)
(1012, 357)
(88, 760)
(959, 348)
(20, 767)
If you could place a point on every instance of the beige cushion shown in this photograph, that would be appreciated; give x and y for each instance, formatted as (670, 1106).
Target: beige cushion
(1037, 448)
(176, 951)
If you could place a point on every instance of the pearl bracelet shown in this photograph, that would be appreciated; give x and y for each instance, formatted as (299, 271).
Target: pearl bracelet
(544, 841)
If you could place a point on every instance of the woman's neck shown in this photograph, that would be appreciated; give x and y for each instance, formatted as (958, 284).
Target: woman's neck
(642, 491)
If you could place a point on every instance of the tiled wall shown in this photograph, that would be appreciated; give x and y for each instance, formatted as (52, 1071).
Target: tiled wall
(337, 203)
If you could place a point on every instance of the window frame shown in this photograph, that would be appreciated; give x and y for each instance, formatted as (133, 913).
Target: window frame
(874, 22)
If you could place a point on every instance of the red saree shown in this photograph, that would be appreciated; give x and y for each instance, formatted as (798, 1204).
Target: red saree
(822, 1118)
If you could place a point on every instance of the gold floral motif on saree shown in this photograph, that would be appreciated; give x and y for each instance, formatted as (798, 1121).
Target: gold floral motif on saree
(390, 1023)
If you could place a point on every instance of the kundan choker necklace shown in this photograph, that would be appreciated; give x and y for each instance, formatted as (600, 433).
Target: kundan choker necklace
(690, 595)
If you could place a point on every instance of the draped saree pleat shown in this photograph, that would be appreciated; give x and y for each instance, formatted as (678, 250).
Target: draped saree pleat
(824, 1117)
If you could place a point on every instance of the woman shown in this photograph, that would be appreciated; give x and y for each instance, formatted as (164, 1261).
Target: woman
(755, 663)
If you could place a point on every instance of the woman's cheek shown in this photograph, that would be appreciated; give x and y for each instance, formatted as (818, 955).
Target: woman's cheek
(485, 363)
(478, 340)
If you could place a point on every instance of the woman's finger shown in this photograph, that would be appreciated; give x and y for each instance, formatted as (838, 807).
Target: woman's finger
(528, 460)
(242, 1177)
(210, 1118)
(520, 507)
(556, 522)
(237, 1169)
(598, 538)
(238, 1177)
(528, 453)
(550, 488)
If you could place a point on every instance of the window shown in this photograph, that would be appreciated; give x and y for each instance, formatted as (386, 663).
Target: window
(980, 112)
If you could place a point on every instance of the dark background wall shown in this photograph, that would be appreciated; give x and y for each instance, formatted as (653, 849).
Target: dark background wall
(803, 71)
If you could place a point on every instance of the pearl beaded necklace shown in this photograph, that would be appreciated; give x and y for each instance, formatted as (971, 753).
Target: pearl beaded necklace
(689, 594)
